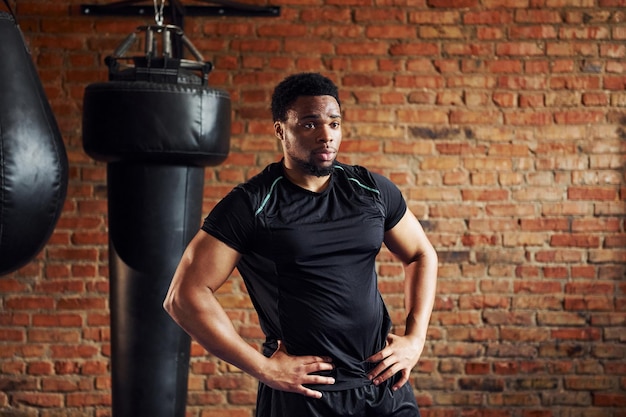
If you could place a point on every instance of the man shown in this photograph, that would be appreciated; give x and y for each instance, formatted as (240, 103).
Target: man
(304, 234)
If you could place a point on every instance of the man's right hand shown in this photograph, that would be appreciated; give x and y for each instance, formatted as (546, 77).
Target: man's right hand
(290, 373)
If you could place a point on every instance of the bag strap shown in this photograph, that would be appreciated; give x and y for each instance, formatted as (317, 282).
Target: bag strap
(10, 9)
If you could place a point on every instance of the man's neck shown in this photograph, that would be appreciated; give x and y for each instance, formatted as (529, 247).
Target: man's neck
(306, 181)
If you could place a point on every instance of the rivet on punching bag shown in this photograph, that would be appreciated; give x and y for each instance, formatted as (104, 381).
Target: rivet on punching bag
(157, 125)
(33, 162)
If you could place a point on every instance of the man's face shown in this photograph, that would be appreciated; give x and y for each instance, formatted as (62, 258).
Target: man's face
(311, 135)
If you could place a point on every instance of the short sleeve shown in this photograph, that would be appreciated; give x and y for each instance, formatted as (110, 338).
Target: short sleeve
(232, 221)
(392, 198)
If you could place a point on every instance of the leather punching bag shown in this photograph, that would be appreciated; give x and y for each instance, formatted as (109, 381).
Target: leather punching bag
(33, 162)
(157, 126)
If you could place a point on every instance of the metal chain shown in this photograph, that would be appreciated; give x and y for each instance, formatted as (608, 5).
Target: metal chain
(158, 12)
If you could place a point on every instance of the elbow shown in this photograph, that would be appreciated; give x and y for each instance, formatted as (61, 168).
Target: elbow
(182, 303)
(167, 304)
(170, 303)
(432, 255)
(427, 255)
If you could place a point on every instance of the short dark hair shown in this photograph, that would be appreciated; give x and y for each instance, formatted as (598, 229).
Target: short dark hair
(296, 85)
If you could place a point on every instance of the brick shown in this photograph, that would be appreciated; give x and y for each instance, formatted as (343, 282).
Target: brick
(59, 320)
(530, 119)
(441, 32)
(451, 148)
(464, 350)
(481, 384)
(609, 399)
(361, 15)
(560, 319)
(484, 195)
(613, 51)
(415, 148)
(13, 335)
(500, 257)
(423, 116)
(483, 301)
(230, 412)
(519, 49)
(584, 241)
(391, 32)
(579, 117)
(471, 49)
(596, 225)
(589, 288)
(413, 81)
(555, 272)
(576, 83)
(537, 383)
(618, 241)
(46, 400)
(489, 33)
(452, 3)
(571, 49)
(591, 303)
(533, 32)
(537, 16)
(596, 32)
(617, 83)
(603, 256)
(545, 194)
(585, 383)
(590, 334)
(361, 80)
(505, 99)
(88, 400)
(523, 239)
(488, 17)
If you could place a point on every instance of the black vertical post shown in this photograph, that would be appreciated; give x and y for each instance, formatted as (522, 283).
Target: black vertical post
(154, 210)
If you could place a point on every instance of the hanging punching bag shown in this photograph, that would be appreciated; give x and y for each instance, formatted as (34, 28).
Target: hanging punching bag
(157, 125)
(33, 162)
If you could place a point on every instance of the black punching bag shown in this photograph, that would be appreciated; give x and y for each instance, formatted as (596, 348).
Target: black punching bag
(157, 125)
(33, 162)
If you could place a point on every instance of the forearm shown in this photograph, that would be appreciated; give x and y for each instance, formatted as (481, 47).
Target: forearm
(402, 353)
(204, 319)
(420, 290)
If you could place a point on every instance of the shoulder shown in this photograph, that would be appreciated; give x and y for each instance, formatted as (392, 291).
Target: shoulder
(362, 176)
(263, 179)
(259, 188)
(386, 194)
(233, 219)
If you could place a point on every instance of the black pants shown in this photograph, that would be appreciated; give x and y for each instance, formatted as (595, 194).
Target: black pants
(366, 401)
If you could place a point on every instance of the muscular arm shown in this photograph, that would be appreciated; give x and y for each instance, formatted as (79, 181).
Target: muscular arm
(205, 266)
(409, 243)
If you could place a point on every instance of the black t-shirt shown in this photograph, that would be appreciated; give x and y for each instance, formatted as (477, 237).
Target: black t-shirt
(308, 262)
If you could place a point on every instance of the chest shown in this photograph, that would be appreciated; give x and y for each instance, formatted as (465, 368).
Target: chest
(324, 229)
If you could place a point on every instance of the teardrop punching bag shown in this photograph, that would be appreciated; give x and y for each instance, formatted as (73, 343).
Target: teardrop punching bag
(33, 162)
(157, 125)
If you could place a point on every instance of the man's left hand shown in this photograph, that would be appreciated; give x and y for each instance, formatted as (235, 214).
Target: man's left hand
(400, 355)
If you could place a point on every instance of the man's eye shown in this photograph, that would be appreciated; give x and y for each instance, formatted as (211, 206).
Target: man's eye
(309, 125)
(335, 125)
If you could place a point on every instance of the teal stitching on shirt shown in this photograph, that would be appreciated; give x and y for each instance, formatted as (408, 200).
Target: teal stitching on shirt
(267, 197)
(374, 190)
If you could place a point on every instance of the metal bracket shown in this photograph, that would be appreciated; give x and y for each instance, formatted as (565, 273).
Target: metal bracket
(228, 8)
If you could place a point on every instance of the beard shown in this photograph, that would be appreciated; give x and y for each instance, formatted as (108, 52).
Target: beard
(311, 168)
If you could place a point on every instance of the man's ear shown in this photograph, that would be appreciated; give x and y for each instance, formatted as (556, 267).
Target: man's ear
(278, 130)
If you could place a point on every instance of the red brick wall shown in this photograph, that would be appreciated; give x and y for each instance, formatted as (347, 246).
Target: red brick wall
(504, 124)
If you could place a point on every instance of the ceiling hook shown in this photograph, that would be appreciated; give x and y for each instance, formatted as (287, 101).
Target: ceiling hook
(158, 12)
